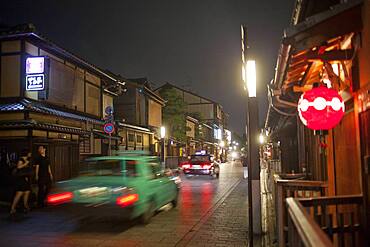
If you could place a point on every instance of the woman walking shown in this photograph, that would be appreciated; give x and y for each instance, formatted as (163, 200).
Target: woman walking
(22, 175)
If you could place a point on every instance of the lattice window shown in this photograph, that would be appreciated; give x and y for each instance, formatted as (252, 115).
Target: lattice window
(85, 145)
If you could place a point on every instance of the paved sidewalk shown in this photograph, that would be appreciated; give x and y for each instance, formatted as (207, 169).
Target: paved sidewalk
(228, 224)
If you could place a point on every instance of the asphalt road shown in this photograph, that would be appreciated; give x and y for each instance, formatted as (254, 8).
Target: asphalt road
(201, 199)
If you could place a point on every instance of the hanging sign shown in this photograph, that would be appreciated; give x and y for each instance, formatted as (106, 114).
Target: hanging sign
(321, 108)
(35, 73)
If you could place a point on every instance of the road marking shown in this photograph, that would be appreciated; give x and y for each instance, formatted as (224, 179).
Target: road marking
(184, 241)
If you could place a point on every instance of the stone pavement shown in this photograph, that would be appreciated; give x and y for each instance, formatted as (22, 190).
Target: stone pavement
(227, 225)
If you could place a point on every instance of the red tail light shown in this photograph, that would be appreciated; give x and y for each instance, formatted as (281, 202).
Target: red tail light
(206, 166)
(127, 200)
(60, 198)
(186, 166)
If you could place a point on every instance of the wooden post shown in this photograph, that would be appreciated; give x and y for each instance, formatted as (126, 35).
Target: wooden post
(280, 214)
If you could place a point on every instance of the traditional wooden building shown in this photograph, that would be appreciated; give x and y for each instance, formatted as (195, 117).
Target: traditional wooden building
(211, 114)
(328, 42)
(52, 97)
(140, 111)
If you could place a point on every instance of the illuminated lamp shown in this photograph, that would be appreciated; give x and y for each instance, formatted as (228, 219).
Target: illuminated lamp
(321, 108)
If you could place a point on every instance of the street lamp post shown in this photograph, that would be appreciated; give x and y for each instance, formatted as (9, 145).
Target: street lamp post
(254, 200)
(163, 135)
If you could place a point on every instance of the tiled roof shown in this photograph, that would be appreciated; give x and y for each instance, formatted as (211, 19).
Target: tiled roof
(12, 107)
(45, 126)
(28, 105)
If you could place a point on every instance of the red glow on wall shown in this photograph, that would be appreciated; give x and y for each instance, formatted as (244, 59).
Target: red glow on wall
(321, 108)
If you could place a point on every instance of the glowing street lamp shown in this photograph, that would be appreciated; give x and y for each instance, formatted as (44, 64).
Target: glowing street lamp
(261, 139)
(163, 132)
(250, 78)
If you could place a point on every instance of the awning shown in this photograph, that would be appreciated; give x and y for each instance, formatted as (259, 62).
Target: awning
(339, 20)
(316, 38)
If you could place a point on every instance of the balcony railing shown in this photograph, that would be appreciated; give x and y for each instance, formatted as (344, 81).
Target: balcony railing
(340, 217)
(303, 230)
(292, 188)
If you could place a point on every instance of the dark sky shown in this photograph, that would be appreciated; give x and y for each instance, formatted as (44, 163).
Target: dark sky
(191, 43)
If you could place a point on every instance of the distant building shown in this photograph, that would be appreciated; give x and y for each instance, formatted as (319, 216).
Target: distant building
(140, 106)
(212, 116)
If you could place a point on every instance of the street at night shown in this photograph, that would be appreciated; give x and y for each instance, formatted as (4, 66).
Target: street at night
(210, 212)
(185, 123)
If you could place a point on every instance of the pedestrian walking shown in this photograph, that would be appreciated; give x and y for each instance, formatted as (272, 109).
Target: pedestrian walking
(44, 176)
(22, 173)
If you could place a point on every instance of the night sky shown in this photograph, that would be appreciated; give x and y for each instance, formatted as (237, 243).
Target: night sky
(194, 44)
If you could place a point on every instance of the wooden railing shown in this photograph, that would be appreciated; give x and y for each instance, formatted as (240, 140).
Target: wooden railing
(303, 230)
(297, 189)
(340, 217)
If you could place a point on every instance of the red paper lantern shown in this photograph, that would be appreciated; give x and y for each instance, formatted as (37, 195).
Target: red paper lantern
(321, 108)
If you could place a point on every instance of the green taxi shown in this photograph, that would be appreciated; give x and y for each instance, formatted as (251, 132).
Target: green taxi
(131, 186)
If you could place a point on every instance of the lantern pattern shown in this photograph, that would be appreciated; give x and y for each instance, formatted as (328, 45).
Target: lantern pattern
(321, 108)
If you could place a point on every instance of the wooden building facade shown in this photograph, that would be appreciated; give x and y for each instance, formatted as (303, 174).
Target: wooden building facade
(328, 42)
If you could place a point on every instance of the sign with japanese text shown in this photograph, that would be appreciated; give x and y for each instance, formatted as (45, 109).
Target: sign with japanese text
(35, 65)
(35, 82)
(35, 74)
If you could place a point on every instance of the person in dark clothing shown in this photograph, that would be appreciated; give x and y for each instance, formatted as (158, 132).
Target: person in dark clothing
(44, 176)
(22, 175)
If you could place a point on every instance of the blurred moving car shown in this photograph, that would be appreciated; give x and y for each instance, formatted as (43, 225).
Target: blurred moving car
(201, 164)
(128, 186)
(174, 176)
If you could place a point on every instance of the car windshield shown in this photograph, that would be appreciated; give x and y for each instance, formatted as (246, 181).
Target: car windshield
(202, 158)
(109, 168)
